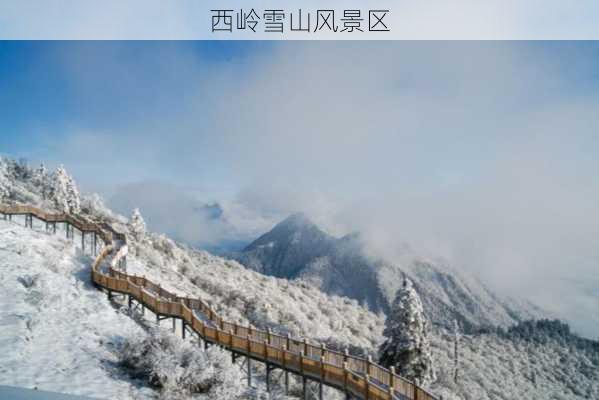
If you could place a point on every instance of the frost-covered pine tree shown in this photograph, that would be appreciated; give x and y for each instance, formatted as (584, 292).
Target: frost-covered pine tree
(73, 198)
(456, 353)
(406, 346)
(64, 192)
(137, 225)
(4, 181)
(40, 178)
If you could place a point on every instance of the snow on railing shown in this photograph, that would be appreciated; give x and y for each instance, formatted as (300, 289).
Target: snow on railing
(358, 376)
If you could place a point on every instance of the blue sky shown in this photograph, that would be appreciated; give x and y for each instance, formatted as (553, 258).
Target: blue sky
(480, 152)
(38, 92)
(51, 88)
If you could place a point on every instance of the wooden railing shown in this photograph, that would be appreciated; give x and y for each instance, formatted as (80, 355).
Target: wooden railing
(357, 376)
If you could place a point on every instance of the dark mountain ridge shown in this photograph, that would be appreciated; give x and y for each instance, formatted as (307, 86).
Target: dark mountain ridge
(296, 248)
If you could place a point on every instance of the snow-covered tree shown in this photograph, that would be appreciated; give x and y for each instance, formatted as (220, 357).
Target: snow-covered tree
(93, 204)
(137, 225)
(73, 198)
(4, 181)
(407, 346)
(21, 169)
(40, 173)
(456, 353)
(40, 179)
(179, 368)
(64, 192)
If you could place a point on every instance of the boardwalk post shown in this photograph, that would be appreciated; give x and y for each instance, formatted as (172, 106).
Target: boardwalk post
(285, 350)
(392, 381)
(268, 335)
(286, 382)
(367, 387)
(54, 227)
(248, 352)
(304, 392)
(265, 350)
(345, 379)
(249, 362)
(368, 364)
(83, 241)
(267, 378)
(174, 327)
(322, 360)
(95, 243)
(129, 302)
(183, 329)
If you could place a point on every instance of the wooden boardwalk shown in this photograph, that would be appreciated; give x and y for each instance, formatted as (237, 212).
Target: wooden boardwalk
(357, 377)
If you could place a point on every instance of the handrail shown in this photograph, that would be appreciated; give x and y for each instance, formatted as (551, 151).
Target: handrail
(358, 376)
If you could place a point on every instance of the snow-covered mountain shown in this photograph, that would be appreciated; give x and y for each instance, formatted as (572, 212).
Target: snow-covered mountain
(297, 249)
(62, 334)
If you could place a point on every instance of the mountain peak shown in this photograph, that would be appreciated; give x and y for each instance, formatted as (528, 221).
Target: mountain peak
(290, 230)
(297, 220)
(287, 247)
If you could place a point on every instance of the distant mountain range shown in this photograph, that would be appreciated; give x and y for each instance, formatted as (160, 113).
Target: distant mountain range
(298, 249)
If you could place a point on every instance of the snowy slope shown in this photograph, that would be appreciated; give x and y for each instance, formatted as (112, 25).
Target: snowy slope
(245, 296)
(59, 333)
